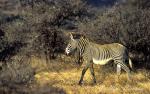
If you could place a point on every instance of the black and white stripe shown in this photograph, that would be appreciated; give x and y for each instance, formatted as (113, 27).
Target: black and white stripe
(99, 54)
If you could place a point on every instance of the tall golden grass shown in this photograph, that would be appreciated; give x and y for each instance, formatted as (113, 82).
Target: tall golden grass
(65, 75)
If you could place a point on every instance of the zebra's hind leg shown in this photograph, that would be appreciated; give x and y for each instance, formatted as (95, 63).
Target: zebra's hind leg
(83, 72)
(125, 68)
(118, 70)
(92, 73)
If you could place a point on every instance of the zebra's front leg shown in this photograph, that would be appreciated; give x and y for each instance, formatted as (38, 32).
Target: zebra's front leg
(92, 73)
(83, 72)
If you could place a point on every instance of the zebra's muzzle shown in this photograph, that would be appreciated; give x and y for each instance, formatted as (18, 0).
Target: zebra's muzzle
(67, 51)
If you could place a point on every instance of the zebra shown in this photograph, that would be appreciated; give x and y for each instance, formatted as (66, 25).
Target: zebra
(93, 53)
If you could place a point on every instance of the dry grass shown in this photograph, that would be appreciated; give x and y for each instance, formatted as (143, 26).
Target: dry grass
(66, 76)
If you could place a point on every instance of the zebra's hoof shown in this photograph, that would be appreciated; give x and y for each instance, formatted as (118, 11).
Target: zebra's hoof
(93, 84)
(80, 83)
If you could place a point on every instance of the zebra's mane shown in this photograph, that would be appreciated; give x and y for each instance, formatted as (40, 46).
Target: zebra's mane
(82, 43)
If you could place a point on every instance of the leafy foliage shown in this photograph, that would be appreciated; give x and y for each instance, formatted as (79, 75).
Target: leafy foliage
(40, 28)
(127, 24)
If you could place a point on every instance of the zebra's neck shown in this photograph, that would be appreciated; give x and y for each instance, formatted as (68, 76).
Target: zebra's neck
(82, 44)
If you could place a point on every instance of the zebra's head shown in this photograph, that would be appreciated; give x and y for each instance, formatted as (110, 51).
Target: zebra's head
(72, 45)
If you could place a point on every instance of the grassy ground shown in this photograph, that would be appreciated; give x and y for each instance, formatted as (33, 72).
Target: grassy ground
(66, 76)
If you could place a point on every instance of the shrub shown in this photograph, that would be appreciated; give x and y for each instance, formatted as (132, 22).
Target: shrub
(127, 24)
(17, 71)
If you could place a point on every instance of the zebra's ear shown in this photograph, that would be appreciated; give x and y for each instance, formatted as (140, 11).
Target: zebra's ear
(83, 36)
(71, 36)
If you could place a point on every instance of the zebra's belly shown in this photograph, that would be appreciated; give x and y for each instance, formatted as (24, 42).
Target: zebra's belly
(101, 62)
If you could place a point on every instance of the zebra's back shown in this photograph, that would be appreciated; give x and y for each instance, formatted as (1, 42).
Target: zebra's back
(104, 53)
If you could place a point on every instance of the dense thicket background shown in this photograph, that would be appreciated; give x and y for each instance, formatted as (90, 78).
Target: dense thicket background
(40, 28)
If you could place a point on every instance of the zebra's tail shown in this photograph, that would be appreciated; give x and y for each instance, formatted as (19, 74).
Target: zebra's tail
(130, 63)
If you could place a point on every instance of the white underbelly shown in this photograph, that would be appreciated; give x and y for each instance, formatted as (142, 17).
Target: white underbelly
(101, 62)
